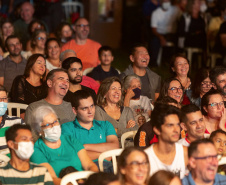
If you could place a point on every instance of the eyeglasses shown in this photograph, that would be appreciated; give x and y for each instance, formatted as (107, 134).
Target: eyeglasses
(175, 89)
(83, 25)
(214, 105)
(208, 158)
(209, 84)
(136, 164)
(49, 125)
(41, 38)
(3, 99)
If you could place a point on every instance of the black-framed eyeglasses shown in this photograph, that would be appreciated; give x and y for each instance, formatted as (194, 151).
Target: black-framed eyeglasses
(3, 99)
(48, 125)
(175, 89)
(214, 105)
(82, 25)
(136, 164)
(209, 84)
(208, 158)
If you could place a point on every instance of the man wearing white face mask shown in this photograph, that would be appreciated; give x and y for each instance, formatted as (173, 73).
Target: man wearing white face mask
(19, 170)
(5, 120)
(164, 25)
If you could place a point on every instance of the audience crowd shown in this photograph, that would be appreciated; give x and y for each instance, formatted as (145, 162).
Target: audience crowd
(79, 106)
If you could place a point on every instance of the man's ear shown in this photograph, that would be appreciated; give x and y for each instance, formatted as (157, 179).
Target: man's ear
(183, 126)
(131, 58)
(157, 132)
(73, 27)
(191, 162)
(74, 110)
(10, 144)
(49, 83)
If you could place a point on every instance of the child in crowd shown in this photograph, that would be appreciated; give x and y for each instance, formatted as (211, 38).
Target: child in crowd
(104, 70)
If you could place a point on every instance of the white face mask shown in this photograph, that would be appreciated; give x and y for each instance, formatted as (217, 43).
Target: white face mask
(25, 150)
(3, 108)
(52, 134)
(203, 7)
(166, 5)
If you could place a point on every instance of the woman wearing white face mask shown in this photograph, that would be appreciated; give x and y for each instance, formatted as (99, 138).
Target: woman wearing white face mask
(56, 151)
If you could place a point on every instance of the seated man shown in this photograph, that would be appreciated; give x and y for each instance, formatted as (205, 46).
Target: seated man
(74, 65)
(193, 123)
(104, 70)
(58, 84)
(96, 136)
(203, 164)
(167, 154)
(19, 170)
(5, 120)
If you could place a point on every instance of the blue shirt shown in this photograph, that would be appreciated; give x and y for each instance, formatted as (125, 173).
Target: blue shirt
(96, 134)
(219, 180)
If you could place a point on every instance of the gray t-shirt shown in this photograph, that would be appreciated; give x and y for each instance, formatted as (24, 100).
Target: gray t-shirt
(63, 111)
(10, 70)
(145, 89)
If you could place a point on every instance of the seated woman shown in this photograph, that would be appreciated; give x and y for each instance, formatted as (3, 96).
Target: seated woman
(30, 87)
(172, 87)
(133, 167)
(56, 151)
(110, 107)
(200, 86)
(7, 29)
(52, 50)
(212, 106)
(64, 33)
(38, 40)
(140, 105)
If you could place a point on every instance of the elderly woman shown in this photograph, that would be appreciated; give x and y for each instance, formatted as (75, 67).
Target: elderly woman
(110, 107)
(140, 105)
(172, 87)
(56, 151)
(213, 110)
(133, 167)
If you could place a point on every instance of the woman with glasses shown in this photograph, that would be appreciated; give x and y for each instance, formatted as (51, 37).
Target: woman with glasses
(52, 50)
(212, 106)
(200, 86)
(172, 87)
(38, 40)
(56, 151)
(133, 167)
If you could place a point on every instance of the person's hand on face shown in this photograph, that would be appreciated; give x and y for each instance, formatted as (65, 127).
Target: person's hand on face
(131, 124)
(223, 119)
(129, 93)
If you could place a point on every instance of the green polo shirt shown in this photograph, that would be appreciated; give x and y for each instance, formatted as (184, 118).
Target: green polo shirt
(96, 134)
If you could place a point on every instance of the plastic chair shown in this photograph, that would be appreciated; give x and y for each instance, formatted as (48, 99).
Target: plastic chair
(72, 7)
(87, 70)
(112, 154)
(17, 106)
(190, 52)
(72, 177)
(3, 160)
(159, 59)
(127, 135)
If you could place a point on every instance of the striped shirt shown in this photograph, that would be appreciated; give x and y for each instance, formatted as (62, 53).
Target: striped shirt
(35, 175)
(7, 121)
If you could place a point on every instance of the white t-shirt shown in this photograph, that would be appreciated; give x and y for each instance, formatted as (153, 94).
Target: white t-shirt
(184, 142)
(140, 108)
(165, 21)
(50, 66)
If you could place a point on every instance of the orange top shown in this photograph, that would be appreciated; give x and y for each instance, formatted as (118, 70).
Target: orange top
(88, 53)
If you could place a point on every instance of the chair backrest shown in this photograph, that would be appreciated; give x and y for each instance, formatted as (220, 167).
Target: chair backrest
(127, 135)
(112, 154)
(87, 70)
(17, 106)
(3, 159)
(72, 177)
(72, 7)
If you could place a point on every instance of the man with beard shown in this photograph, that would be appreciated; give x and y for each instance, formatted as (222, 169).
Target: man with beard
(218, 78)
(86, 49)
(14, 64)
(74, 66)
